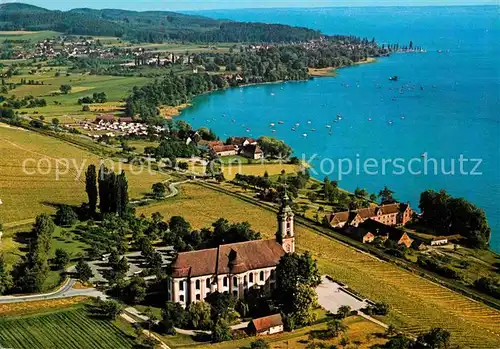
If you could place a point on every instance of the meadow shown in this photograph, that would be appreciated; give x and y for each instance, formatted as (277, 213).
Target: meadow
(65, 107)
(416, 303)
(68, 328)
(32, 36)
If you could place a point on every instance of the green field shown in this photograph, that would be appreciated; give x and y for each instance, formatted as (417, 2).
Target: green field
(27, 35)
(67, 109)
(416, 303)
(69, 328)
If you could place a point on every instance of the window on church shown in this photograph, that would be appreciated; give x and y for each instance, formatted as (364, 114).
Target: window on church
(235, 281)
(198, 297)
(198, 284)
(181, 298)
(273, 274)
(208, 283)
(235, 293)
(181, 286)
(261, 276)
(250, 277)
(224, 281)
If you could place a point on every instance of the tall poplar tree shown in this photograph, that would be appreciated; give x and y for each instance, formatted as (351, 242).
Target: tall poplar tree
(91, 187)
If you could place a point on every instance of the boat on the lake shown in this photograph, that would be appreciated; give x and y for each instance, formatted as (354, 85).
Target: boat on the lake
(394, 78)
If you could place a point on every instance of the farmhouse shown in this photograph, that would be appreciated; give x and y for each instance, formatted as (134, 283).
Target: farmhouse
(252, 152)
(384, 231)
(104, 118)
(266, 325)
(392, 214)
(224, 150)
(232, 268)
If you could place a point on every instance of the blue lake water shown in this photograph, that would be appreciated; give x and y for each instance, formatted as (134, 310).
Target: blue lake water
(445, 104)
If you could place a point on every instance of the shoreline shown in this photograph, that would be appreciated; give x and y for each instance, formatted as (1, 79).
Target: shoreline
(170, 112)
(332, 72)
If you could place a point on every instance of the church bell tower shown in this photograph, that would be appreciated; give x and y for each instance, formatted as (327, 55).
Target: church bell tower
(285, 235)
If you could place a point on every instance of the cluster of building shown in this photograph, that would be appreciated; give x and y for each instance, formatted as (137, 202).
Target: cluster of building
(247, 147)
(120, 126)
(68, 47)
(232, 268)
(384, 222)
(367, 224)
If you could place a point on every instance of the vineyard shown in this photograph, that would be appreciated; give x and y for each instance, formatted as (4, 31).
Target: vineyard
(30, 188)
(71, 329)
(416, 303)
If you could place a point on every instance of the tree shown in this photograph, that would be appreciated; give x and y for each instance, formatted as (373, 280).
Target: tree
(343, 312)
(199, 315)
(437, 338)
(65, 216)
(109, 309)
(297, 276)
(386, 196)
(173, 315)
(65, 89)
(5, 277)
(449, 215)
(362, 193)
(221, 331)
(43, 230)
(62, 258)
(335, 327)
(304, 303)
(91, 187)
(274, 148)
(259, 344)
(55, 122)
(83, 271)
(159, 191)
(135, 291)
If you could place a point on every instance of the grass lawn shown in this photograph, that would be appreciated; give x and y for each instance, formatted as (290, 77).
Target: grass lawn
(416, 303)
(65, 328)
(231, 169)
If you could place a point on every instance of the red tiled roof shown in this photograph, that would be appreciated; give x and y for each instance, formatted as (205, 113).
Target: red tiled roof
(223, 148)
(265, 323)
(215, 143)
(235, 258)
(107, 117)
(365, 213)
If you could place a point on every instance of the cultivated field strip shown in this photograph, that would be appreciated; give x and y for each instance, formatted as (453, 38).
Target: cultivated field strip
(71, 329)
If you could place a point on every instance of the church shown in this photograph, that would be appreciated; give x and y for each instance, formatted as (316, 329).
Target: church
(232, 268)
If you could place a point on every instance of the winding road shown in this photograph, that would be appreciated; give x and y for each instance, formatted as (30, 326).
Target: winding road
(172, 188)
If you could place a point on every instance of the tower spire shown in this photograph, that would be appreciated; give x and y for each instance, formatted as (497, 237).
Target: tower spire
(285, 235)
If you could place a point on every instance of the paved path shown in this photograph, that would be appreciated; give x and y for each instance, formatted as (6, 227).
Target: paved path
(146, 332)
(332, 296)
(173, 191)
(65, 291)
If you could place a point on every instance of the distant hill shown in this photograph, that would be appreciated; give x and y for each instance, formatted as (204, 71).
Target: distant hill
(148, 26)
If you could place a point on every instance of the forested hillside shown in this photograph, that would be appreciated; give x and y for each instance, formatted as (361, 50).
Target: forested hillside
(150, 26)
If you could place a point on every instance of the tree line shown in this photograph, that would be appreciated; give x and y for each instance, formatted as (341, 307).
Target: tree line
(448, 215)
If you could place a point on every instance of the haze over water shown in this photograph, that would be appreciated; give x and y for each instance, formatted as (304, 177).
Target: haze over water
(450, 105)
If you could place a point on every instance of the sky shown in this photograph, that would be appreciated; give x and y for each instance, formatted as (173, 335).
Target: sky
(178, 5)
